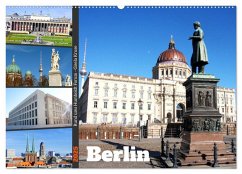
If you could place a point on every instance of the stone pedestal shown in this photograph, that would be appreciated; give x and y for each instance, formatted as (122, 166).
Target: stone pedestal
(202, 127)
(55, 78)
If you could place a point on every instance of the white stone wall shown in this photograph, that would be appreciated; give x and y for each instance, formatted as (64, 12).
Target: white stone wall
(226, 103)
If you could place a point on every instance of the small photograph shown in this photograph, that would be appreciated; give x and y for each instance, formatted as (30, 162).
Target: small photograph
(33, 108)
(39, 25)
(38, 66)
(39, 148)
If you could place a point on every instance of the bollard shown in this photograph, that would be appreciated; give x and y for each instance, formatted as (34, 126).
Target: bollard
(167, 150)
(174, 157)
(98, 133)
(232, 146)
(162, 146)
(215, 154)
(120, 135)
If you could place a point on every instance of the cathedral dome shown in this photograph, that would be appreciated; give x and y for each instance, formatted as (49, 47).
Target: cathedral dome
(13, 68)
(28, 73)
(171, 54)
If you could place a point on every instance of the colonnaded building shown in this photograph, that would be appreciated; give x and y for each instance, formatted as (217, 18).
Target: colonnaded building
(38, 23)
(113, 98)
(40, 110)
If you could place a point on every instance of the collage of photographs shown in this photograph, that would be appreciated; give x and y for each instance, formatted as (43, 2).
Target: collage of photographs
(137, 87)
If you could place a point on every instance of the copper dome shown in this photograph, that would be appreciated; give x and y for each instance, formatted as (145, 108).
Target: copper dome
(171, 54)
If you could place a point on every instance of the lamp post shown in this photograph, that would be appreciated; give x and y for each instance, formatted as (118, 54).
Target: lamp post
(140, 102)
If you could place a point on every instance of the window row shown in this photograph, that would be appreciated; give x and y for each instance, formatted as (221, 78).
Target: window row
(29, 114)
(26, 108)
(27, 122)
(124, 93)
(169, 72)
(118, 119)
(124, 105)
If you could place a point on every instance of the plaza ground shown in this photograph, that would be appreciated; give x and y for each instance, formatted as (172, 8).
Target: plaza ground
(152, 145)
(13, 38)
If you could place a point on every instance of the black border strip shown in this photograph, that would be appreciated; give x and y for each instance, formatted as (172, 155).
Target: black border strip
(75, 92)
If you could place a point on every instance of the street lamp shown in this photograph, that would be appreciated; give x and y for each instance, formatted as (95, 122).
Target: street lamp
(140, 102)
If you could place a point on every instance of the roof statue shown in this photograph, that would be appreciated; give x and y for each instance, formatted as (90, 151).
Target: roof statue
(55, 60)
(199, 56)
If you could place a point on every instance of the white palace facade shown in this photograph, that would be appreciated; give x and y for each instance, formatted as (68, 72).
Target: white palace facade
(112, 98)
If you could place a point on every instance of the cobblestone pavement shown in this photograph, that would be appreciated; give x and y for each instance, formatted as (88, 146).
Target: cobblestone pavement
(152, 145)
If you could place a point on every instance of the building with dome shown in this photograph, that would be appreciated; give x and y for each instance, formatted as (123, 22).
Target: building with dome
(113, 98)
(13, 74)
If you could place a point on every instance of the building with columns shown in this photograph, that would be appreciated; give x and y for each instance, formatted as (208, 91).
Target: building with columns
(113, 98)
(38, 23)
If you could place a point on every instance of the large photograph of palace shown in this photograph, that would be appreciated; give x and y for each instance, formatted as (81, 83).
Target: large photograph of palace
(130, 100)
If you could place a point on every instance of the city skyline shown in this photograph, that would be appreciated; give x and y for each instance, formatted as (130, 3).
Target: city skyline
(28, 58)
(19, 94)
(17, 140)
(142, 34)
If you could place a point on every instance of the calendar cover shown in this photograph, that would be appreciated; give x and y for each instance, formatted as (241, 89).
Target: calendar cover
(132, 87)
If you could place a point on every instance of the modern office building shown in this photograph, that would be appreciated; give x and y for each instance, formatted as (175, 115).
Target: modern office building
(40, 110)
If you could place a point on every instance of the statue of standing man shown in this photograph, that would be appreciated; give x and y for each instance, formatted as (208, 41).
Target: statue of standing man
(199, 56)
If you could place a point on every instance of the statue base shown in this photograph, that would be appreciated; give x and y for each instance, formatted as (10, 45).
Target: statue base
(202, 127)
(55, 78)
(197, 149)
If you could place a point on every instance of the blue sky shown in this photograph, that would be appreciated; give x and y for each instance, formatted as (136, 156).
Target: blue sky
(54, 12)
(28, 58)
(58, 140)
(129, 41)
(16, 95)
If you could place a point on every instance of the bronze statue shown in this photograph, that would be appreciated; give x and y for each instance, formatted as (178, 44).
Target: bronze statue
(199, 56)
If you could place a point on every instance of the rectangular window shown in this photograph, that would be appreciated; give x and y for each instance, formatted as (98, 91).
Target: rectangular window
(115, 93)
(124, 106)
(32, 105)
(29, 107)
(36, 112)
(123, 119)
(105, 105)
(170, 71)
(32, 113)
(106, 93)
(141, 95)
(132, 106)
(104, 118)
(114, 118)
(114, 105)
(222, 109)
(149, 117)
(95, 104)
(132, 118)
(149, 106)
(162, 72)
(96, 92)
(141, 117)
(141, 106)
(231, 110)
(133, 94)
(36, 121)
(94, 119)
(149, 96)
(124, 94)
